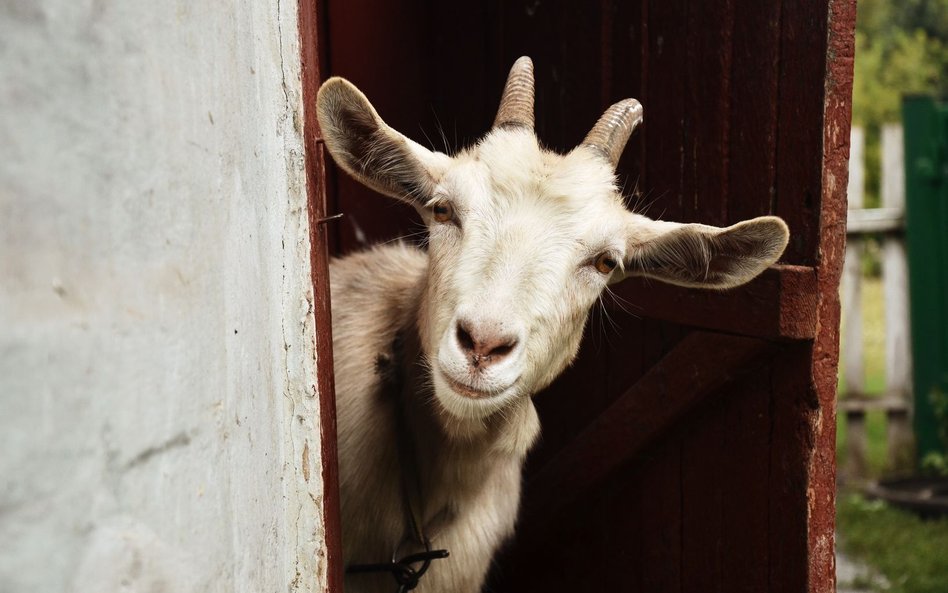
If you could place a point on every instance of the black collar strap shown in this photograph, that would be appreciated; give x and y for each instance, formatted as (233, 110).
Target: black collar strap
(395, 383)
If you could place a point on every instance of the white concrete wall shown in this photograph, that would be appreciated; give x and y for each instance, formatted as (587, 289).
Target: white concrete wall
(157, 398)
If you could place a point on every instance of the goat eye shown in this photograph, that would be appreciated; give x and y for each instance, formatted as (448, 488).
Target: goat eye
(605, 263)
(443, 212)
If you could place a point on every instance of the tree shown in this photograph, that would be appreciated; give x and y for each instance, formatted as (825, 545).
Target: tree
(900, 50)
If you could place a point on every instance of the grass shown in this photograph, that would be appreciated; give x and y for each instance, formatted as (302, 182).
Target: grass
(911, 553)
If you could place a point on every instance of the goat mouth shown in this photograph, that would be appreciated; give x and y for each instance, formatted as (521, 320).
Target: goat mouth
(467, 390)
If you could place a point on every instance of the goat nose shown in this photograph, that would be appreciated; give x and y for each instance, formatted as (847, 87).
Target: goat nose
(484, 347)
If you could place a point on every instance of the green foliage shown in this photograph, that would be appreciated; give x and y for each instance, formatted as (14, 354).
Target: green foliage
(900, 50)
(909, 551)
(929, 15)
(904, 63)
(939, 401)
(937, 463)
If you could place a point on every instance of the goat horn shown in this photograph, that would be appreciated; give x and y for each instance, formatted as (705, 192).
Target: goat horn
(613, 129)
(516, 105)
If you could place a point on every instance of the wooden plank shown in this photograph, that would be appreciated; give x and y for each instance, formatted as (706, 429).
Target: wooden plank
(625, 545)
(894, 267)
(839, 19)
(696, 368)
(857, 444)
(779, 304)
(799, 133)
(754, 104)
(725, 458)
(622, 58)
(707, 66)
(568, 72)
(898, 367)
(893, 167)
(746, 417)
(900, 441)
(856, 467)
(666, 110)
(661, 522)
(851, 295)
(886, 403)
(702, 501)
(856, 186)
(313, 48)
(465, 73)
(594, 544)
(753, 109)
(793, 405)
(853, 361)
(875, 220)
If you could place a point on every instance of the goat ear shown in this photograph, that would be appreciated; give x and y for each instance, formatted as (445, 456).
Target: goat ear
(704, 256)
(369, 150)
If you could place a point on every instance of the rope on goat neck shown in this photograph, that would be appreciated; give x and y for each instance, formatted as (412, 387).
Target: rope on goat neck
(402, 569)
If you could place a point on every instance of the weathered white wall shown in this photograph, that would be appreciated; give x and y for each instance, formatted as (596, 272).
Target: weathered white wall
(156, 341)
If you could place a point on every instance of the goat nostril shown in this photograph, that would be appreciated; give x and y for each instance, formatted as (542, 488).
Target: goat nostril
(502, 350)
(465, 339)
(483, 347)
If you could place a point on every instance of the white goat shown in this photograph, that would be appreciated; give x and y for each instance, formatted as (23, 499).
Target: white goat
(438, 353)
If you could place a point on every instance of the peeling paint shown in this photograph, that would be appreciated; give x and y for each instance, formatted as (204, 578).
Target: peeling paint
(305, 462)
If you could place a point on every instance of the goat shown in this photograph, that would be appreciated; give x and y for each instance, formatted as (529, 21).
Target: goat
(438, 352)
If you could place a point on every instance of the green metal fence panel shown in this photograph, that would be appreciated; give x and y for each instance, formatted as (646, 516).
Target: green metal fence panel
(925, 122)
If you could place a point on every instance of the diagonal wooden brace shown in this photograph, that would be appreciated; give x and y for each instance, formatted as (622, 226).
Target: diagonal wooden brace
(697, 367)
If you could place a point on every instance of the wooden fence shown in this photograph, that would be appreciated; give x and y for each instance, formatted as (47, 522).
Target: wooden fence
(886, 224)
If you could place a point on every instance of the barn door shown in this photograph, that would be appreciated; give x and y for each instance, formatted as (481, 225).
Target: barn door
(690, 448)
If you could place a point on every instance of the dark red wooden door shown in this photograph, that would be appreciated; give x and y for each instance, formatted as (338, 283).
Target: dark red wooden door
(691, 446)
